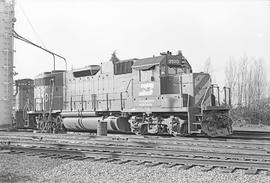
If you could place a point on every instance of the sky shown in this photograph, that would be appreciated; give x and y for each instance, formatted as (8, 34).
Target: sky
(87, 32)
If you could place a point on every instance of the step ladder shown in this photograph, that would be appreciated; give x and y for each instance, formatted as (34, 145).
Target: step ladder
(197, 124)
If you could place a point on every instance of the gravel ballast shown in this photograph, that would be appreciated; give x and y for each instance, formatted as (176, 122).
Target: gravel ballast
(22, 168)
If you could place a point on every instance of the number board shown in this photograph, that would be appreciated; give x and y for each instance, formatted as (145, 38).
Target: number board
(174, 62)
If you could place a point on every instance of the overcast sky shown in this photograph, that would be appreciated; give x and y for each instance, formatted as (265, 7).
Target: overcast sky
(87, 32)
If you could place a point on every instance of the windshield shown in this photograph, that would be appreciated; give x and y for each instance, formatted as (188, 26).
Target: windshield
(175, 70)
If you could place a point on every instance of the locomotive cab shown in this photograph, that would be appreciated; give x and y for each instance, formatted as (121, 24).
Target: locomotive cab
(158, 83)
(173, 99)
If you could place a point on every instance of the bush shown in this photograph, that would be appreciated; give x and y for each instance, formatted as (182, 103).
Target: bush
(257, 114)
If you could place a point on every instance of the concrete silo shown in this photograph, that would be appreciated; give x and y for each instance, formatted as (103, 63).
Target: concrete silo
(6, 63)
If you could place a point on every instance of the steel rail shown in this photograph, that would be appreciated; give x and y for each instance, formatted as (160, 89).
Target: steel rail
(135, 138)
(247, 132)
(204, 147)
(151, 143)
(184, 151)
(196, 161)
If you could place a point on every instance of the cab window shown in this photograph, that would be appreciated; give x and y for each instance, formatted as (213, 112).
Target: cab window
(163, 70)
(174, 70)
(146, 75)
(171, 71)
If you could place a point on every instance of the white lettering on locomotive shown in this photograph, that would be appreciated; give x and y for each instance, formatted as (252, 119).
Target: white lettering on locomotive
(146, 89)
(174, 62)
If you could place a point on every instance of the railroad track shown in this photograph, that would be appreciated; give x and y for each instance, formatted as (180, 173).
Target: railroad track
(164, 145)
(250, 135)
(251, 161)
(237, 134)
(169, 143)
(159, 150)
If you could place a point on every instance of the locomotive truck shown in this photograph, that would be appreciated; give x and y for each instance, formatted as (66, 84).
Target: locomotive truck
(158, 95)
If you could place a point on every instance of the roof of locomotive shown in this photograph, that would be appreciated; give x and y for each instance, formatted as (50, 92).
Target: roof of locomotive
(89, 70)
(148, 62)
(88, 67)
(127, 60)
(49, 74)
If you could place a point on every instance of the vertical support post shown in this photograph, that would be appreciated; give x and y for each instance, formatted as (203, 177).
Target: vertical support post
(181, 85)
(107, 100)
(212, 89)
(94, 101)
(42, 104)
(71, 103)
(218, 96)
(53, 62)
(132, 87)
(225, 95)
(121, 100)
(65, 88)
(212, 94)
(82, 103)
(35, 100)
(230, 100)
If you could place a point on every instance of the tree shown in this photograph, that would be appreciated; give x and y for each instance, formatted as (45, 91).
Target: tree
(231, 77)
(208, 68)
(259, 80)
(241, 80)
(247, 79)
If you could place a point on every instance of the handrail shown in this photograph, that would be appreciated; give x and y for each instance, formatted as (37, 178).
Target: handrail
(131, 80)
(204, 97)
(188, 101)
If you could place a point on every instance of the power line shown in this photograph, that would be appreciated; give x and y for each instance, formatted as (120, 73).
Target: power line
(32, 27)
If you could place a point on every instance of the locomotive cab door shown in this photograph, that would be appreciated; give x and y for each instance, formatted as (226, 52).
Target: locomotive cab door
(170, 86)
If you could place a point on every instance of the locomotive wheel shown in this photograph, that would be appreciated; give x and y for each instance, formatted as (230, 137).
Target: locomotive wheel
(143, 130)
(184, 129)
(42, 125)
(176, 130)
(58, 126)
(181, 129)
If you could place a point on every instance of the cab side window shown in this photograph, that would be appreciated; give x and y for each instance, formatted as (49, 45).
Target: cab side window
(146, 75)
(163, 70)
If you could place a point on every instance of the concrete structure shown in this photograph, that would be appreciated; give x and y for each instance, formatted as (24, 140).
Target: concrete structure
(6, 62)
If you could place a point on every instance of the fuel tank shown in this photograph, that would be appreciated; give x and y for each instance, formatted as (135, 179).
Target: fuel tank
(114, 124)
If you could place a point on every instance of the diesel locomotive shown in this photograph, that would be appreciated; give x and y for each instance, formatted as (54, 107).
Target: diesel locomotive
(23, 102)
(158, 95)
